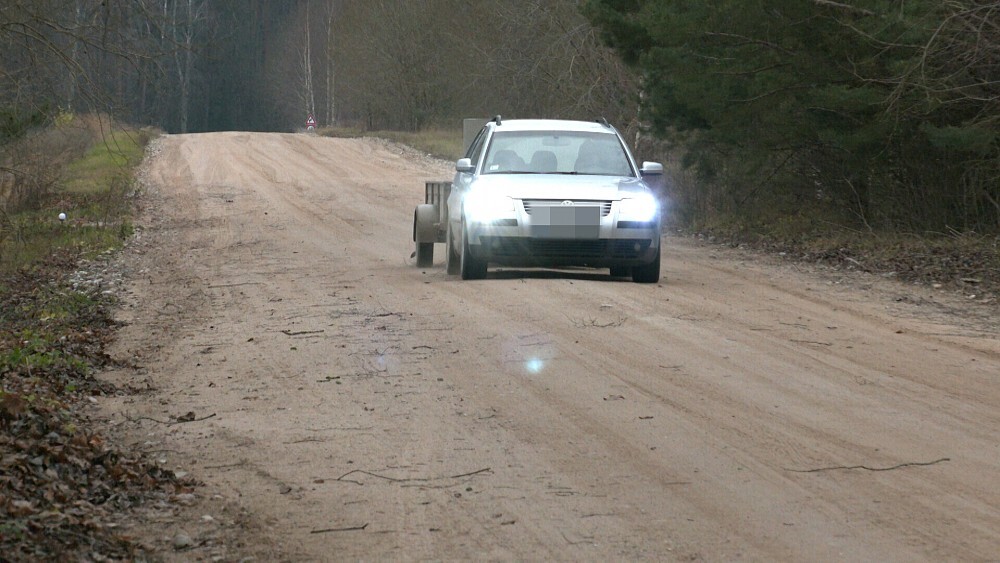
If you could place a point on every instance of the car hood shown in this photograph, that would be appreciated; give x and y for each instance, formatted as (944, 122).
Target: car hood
(560, 186)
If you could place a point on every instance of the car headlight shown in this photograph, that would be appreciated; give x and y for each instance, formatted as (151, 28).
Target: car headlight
(484, 207)
(640, 207)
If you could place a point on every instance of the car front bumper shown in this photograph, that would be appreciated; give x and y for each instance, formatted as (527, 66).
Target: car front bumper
(534, 238)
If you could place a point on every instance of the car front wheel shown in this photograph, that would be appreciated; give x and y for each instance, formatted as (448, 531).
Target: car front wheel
(472, 268)
(451, 258)
(647, 273)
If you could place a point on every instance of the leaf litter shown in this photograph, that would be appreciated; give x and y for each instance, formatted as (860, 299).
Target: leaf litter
(65, 489)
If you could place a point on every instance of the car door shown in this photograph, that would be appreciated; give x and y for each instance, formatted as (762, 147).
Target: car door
(463, 180)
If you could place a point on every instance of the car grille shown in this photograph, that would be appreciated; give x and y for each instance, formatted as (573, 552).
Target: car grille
(568, 248)
(636, 224)
(531, 203)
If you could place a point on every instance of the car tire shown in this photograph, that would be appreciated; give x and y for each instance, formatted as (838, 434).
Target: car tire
(472, 268)
(425, 254)
(647, 273)
(451, 260)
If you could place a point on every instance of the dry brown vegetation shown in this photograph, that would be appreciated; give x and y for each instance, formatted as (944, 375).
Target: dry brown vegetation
(64, 487)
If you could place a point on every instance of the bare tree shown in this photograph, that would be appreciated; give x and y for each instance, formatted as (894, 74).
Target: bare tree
(952, 87)
(308, 96)
(185, 27)
(331, 115)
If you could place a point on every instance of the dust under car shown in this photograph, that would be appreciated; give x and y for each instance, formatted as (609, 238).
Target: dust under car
(546, 193)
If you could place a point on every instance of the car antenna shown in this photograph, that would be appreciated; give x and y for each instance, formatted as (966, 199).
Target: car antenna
(603, 121)
(496, 119)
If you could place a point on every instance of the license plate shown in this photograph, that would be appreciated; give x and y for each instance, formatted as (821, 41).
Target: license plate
(566, 221)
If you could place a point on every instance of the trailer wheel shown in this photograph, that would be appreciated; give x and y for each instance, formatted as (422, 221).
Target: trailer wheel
(425, 254)
(425, 233)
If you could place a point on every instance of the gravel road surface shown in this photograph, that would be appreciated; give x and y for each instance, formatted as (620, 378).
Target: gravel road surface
(348, 405)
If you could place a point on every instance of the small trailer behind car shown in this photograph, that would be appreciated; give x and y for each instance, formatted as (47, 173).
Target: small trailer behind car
(544, 193)
(431, 217)
(429, 221)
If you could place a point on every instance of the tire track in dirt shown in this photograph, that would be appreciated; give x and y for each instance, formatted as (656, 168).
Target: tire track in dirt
(535, 414)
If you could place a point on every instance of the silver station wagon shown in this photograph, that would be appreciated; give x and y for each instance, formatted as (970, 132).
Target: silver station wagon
(550, 193)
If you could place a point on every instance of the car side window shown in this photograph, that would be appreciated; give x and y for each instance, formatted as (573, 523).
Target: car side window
(476, 149)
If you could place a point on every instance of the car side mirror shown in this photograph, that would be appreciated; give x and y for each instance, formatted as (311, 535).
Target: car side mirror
(464, 165)
(651, 169)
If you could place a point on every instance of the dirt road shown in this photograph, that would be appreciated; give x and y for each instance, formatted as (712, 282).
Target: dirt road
(365, 408)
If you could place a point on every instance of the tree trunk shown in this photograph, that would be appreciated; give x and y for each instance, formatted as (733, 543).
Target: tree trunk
(307, 76)
(331, 117)
(74, 59)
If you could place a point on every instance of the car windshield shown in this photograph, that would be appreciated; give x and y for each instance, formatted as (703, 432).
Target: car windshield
(556, 152)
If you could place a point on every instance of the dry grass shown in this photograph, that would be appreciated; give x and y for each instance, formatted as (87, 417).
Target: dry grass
(440, 143)
(80, 166)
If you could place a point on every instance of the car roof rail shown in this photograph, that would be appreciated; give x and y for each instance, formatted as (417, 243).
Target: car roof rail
(603, 121)
(496, 119)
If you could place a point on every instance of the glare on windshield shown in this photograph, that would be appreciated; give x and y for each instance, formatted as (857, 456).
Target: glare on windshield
(556, 152)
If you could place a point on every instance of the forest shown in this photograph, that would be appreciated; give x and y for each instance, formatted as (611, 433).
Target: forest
(873, 115)
(834, 135)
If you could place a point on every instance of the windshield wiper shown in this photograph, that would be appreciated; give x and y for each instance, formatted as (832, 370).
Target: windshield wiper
(532, 172)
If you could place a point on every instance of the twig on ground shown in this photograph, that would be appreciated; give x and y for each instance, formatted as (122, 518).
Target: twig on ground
(853, 261)
(593, 323)
(186, 420)
(304, 440)
(483, 470)
(408, 479)
(226, 466)
(344, 428)
(866, 468)
(348, 529)
(138, 418)
(180, 420)
(301, 332)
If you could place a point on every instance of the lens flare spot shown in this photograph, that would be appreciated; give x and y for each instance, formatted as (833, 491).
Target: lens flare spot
(534, 365)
